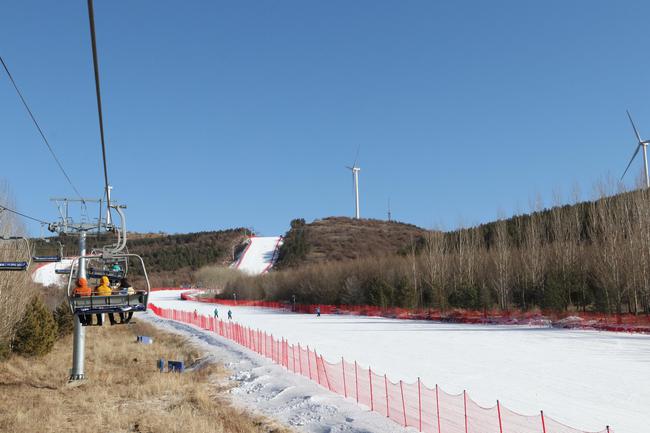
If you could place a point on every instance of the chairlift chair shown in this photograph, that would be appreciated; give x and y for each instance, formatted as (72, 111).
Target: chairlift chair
(39, 257)
(116, 302)
(17, 265)
(115, 268)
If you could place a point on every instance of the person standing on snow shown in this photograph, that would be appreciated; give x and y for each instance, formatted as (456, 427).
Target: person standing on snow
(229, 315)
(317, 311)
(216, 313)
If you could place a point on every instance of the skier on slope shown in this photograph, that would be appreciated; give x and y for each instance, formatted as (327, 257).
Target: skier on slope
(317, 311)
(216, 313)
(229, 315)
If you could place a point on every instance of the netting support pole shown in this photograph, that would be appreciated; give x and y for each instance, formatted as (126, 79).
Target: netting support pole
(327, 379)
(420, 402)
(437, 408)
(401, 388)
(309, 363)
(345, 387)
(543, 423)
(499, 413)
(300, 359)
(316, 362)
(387, 405)
(293, 356)
(372, 400)
(356, 379)
(465, 408)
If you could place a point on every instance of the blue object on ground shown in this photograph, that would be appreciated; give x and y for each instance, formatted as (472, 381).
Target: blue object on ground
(177, 366)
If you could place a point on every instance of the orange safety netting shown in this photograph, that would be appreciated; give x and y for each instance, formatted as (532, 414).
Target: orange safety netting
(429, 410)
(628, 322)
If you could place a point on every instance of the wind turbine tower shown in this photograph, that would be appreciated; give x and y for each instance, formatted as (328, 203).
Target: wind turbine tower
(355, 180)
(641, 144)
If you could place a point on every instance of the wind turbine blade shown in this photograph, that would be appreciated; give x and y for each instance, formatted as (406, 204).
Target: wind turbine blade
(356, 156)
(630, 163)
(638, 137)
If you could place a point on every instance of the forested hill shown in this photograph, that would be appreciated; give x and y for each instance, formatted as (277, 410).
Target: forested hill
(172, 258)
(341, 238)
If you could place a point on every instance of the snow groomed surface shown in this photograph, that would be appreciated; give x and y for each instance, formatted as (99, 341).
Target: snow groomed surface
(46, 275)
(260, 255)
(584, 379)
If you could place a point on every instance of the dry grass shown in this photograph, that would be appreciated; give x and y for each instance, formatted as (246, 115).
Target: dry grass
(124, 392)
(341, 238)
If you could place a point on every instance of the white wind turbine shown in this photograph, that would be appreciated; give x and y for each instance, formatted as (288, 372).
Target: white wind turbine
(642, 144)
(355, 179)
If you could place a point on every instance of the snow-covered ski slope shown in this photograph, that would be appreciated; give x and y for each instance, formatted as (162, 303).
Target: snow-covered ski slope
(260, 255)
(45, 273)
(585, 379)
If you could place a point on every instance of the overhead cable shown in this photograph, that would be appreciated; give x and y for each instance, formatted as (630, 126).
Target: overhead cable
(38, 127)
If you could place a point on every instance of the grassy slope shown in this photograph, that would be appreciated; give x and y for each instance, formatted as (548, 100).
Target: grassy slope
(341, 238)
(124, 393)
(172, 259)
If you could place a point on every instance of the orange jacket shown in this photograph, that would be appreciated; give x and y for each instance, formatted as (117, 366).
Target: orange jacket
(82, 288)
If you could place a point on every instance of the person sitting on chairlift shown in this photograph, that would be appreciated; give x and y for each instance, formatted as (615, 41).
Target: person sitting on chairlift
(82, 288)
(104, 289)
(125, 288)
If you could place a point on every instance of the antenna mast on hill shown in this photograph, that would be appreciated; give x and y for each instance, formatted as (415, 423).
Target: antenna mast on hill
(389, 213)
(355, 180)
(641, 144)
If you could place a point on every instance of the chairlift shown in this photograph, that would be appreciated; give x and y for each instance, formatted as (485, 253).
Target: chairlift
(115, 268)
(124, 304)
(38, 253)
(15, 264)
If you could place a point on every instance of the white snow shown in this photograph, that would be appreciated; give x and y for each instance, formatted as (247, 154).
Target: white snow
(45, 273)
(260, 255)
(586, 379)
(268, 388)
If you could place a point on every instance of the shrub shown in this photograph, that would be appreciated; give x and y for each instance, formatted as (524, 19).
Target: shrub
(37, 331)
(64, 319)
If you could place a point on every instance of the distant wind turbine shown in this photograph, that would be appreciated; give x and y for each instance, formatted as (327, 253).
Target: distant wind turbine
(355, 180)
(642, 144)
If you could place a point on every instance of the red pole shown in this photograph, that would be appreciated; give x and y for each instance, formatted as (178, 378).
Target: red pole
(420, 402)
(401, 388)
(499, 412)
(356, 380)
(325, 371)
(316, 362)
(293, 355)
(437, 408)
(387, 406)
(543, 423)
(345, 388)
(372, 402)
(465, 406)
(300, 358)
(309, 362)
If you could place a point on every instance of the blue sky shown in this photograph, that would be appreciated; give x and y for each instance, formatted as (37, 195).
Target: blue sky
(223, 114)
